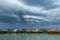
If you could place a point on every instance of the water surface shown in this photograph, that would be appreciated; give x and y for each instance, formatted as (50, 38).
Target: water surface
(29, 37)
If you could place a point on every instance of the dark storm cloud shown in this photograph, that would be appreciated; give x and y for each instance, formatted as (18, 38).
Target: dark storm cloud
(12, 9)
(10, 12)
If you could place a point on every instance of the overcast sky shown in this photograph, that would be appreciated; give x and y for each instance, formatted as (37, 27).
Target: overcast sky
(40, 10)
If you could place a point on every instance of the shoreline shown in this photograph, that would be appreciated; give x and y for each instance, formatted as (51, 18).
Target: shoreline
(49, 31)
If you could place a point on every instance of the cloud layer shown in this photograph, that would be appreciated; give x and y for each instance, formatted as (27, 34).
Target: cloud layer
(39, 11)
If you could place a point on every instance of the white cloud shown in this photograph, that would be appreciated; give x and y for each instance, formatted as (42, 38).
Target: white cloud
(52, 14)
(32, 20)
(37, 17)
(56, 2)
(26, 7)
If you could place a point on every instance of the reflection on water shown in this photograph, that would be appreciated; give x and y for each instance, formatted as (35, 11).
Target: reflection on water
(29, 37)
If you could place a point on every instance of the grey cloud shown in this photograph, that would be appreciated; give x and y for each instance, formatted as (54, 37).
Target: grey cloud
(7, 10)
(48, 4)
